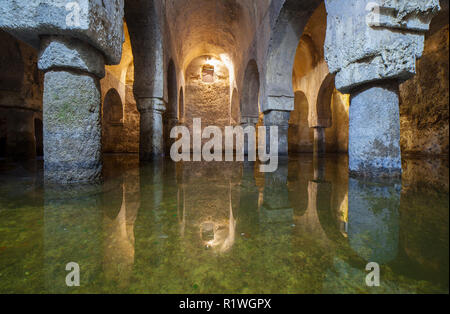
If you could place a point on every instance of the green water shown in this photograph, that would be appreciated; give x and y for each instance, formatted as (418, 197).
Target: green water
(225, 228)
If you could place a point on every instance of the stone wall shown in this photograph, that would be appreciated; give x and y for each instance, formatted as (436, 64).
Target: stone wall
(209, 101)
(424, 100)
(21, 89)
(120, 137)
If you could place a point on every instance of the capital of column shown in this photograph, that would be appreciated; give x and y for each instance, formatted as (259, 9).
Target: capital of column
(63, 52)
(249, 120)
(369, 41)
(277, 117)
(151, 104)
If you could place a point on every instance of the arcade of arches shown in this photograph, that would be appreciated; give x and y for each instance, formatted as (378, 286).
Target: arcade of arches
(353, 101)
(220, 63)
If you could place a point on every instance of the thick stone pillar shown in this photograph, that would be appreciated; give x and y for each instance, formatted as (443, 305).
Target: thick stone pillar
(374, 134)
(372, 47)
(319, 141)
(72, 102)
(20, 139)
(89, 35)
(151, 144)
(279, 119)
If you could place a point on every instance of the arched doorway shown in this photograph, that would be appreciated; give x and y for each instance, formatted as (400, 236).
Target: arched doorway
(112, 126)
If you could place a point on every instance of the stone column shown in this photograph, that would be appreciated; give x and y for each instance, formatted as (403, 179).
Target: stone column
(374, 134)
(245, 122)
(20, 140)
(151, 144)
(72, 117)
(279, 119)
(319, 141)
(372, 47)
(89, 35)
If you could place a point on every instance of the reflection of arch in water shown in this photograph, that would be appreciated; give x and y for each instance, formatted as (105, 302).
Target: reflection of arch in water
(120, 203)
(249, 106)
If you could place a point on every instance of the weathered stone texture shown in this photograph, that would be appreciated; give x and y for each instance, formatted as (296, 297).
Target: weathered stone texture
(97, 22)
(361, 48)
(125, 137)
(66, 52)
(424, 105)
(72, 133)
(208, 101)
(373, 217)
(374, 132)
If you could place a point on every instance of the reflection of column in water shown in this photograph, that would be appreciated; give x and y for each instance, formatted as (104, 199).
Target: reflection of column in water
(119, 232)
(181, 208)
(276, 214)
(373, 206)
(276, 206)
(154, 187)
(73, 223)
(319, 205)
(247, 199)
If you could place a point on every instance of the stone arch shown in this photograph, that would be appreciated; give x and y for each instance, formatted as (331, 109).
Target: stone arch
(285, 35)
(112, 126)
(11, 64)
(112, 107)
(249, 106)
(300, 135)
(324, 99)
(235, 108)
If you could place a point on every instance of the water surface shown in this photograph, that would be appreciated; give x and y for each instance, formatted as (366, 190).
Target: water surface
(224, 227)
